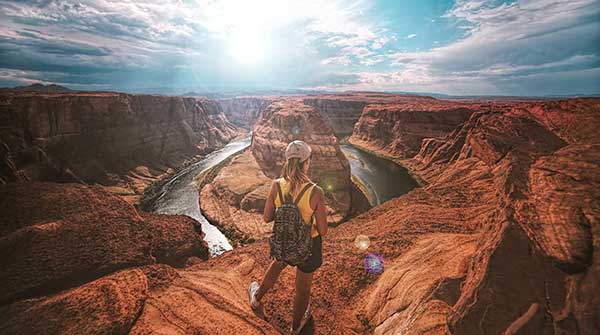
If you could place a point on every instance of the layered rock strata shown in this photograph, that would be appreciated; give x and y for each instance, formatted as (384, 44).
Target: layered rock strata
(244, 111)
(120, 141)
(78, 260)
(398, 128)
(340, 114)
(504, 239)
(234, 199)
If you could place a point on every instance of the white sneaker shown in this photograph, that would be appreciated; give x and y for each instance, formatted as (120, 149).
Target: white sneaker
(303, 322)
(255, 304)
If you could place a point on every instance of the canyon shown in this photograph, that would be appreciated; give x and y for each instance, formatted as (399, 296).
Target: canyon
(121, 141)
(234, 197)
(501, 238)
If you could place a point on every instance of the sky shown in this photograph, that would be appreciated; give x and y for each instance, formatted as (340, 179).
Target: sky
(519, 47)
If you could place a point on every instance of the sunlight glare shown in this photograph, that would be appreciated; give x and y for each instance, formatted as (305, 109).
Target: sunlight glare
(248, 46)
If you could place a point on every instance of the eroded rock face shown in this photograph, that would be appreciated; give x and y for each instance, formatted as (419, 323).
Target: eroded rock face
(341, 114)
(121, 141)
(60, 235)
(288, 120)
(78, 260)
(244, 111)
(109, 305)
(234, 200)
(504, 238)
(399, 127)
(200, 300)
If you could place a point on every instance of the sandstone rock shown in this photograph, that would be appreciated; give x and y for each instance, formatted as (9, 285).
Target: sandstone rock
(398, 129)
(234, 199)
(340, 113)
(55, 236)
(244, 111)
(121, 141)
(201, 300)
(287, 120)
(408, 296)
(109, 305)
(503, 239)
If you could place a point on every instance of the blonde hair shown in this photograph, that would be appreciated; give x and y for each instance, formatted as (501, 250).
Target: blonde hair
(293, 172)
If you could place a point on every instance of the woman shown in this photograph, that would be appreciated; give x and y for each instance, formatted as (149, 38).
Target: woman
(312, 209)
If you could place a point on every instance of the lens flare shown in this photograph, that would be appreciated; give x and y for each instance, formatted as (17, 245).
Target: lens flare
(295, 130)
(362, 242)
(374, 263)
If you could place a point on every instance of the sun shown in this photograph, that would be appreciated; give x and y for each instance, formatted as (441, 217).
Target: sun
(248, 46)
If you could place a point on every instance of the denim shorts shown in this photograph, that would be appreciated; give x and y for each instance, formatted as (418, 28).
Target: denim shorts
(316, 257)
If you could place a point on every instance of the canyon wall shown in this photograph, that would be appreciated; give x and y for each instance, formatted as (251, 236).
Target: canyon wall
(234, 198)
(504, 239)
(398, 127)
(120, 141)
(244, 111)
(341, 115)
(78, 260)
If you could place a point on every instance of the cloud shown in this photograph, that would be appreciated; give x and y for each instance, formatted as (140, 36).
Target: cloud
(510, 41)
(511, 47)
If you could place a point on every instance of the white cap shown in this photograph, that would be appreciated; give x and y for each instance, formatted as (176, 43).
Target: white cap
(298, 149)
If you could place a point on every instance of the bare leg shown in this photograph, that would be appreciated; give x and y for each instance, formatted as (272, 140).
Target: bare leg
(303, 284)
(270, 278)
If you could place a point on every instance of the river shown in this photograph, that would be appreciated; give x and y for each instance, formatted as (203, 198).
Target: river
(180, 196)
(382, 179)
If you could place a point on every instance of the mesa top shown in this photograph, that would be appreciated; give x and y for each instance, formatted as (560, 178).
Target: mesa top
(303, 205)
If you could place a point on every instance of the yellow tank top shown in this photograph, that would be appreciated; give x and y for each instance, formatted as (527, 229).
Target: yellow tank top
(303, 205)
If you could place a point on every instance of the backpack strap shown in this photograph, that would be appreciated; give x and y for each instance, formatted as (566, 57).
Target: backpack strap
(281, 198)
(304, 189)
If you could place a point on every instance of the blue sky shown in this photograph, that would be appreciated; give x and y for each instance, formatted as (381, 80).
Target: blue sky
(461, 47)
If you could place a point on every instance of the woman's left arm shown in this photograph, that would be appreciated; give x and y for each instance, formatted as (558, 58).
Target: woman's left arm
(270, 204)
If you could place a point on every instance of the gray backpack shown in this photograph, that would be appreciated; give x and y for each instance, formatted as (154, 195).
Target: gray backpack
(291, 241)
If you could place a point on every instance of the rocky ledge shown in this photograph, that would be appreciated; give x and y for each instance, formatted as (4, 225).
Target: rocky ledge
(78, 260)
(504, 239)
(234, 199)
(120, 141)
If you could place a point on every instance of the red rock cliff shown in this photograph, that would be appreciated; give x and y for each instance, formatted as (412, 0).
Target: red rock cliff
(78, 260)
(398, 127)
(503, 239)
(288, 120)
(341, 114)
(118, 140)
(244, 111)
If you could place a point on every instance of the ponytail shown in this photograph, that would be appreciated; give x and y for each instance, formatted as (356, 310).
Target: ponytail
(293, 172)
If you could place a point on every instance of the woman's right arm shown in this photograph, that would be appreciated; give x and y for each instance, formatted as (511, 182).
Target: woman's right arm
(320, 211)
(270, 204)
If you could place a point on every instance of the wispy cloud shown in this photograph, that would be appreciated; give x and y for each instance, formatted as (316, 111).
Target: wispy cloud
(495, 47)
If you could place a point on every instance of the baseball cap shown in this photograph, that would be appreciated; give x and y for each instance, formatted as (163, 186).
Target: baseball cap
(298, 149)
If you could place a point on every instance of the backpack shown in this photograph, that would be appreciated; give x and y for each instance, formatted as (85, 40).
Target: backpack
(290, 241)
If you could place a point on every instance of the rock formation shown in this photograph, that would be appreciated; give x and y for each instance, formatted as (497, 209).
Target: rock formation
(78, 260)
(339, 113)
(58, 235)
(244, 111)
(288, 120)
(504, 239)
(235, 198)
(397, 128)
(121, 141)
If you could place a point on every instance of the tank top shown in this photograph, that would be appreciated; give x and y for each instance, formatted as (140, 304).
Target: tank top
(303, 205)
